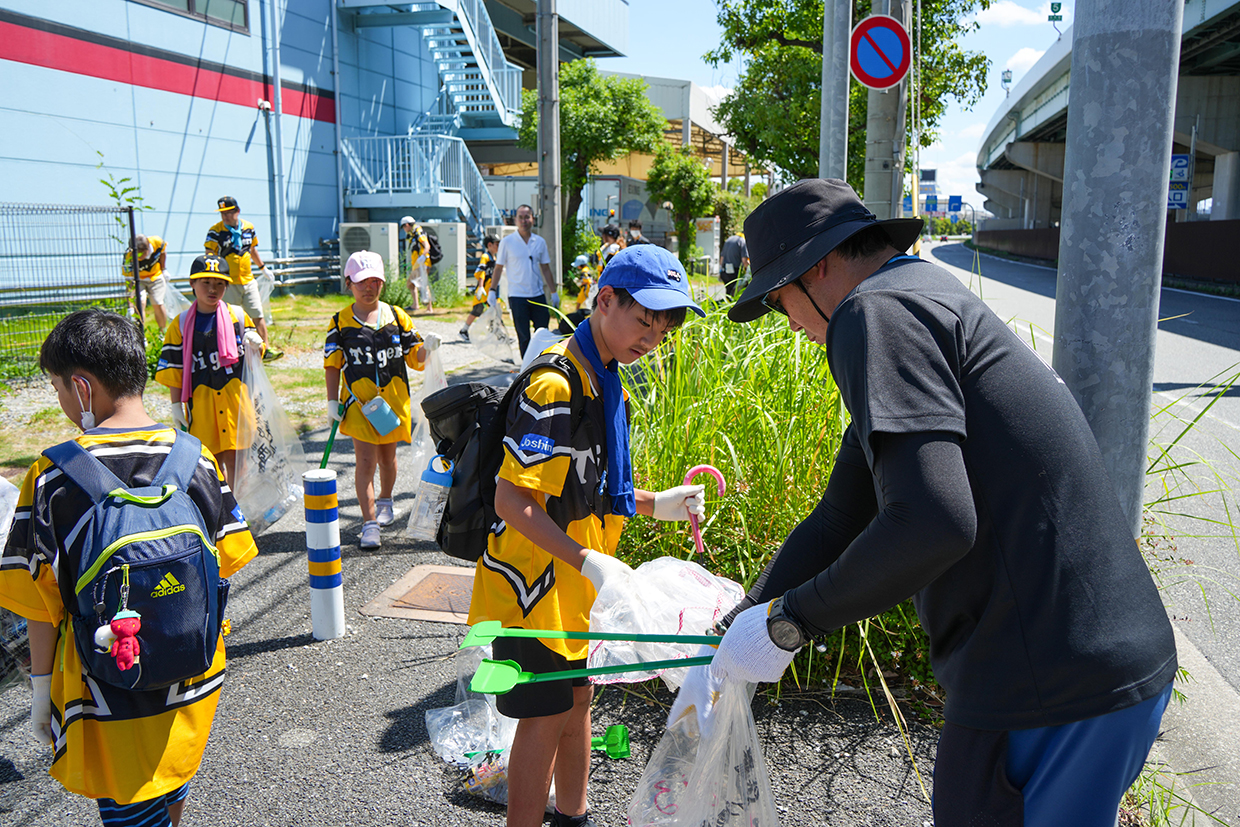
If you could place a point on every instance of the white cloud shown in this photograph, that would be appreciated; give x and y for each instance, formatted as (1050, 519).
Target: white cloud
(971, 132)
(957, 171)
(1008, 13)
(1021, 62)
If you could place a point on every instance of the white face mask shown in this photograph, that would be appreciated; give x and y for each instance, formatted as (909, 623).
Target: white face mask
(88, 415)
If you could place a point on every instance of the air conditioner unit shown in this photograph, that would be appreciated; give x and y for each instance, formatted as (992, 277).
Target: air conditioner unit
(381, 238)
(451, 237)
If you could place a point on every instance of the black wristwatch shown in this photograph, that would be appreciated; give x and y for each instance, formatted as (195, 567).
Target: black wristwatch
(785, 632)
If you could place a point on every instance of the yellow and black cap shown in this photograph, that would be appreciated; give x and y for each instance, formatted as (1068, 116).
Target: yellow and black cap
(227, 203)
(209, 267)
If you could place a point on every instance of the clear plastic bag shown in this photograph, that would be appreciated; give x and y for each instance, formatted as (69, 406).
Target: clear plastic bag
(266, 284)
(175, 302)
(14, 643)
(490, 336)
(721, 780)
(268, 483)
(663, 596)
(8, 507)
(421, 445)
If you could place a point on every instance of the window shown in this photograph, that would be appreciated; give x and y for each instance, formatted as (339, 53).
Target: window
(231, 14)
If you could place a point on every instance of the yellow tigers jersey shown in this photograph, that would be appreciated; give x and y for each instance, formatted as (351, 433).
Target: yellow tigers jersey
(486, 268)
(111, 742)
(372, 361)
(517, 582)
(149, 267)
(416, 248)
(585, 281)
(219, 403)
(221, 242)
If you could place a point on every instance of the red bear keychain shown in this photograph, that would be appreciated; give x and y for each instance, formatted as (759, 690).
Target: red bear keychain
(120, 638)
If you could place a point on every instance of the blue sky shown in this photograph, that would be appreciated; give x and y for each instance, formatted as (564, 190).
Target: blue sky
(667, 38)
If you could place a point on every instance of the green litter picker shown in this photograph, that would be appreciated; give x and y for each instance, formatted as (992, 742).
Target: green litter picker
(495, 677)
(488, 630)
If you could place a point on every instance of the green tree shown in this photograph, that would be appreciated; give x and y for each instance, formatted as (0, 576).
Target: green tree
(679, 177)
(774, 110)
(601, 119)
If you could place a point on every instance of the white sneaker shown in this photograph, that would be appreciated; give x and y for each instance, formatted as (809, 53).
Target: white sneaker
(370, 535)
(384, 513)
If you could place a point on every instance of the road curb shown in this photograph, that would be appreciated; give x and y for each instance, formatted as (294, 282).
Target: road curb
(1199, 747)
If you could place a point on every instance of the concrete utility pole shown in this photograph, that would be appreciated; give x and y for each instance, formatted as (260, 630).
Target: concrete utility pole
(884, 135)
(277, 110)
(833, 134)
(551, 222)
(1125, 58)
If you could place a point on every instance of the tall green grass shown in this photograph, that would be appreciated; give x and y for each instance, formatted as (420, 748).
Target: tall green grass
(758, 402)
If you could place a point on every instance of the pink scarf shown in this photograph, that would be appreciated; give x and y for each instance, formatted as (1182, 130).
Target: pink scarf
(225, 337)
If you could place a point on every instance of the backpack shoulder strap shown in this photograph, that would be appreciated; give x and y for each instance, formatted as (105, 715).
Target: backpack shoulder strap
(566, 366)
(179, 466)
(91, 475)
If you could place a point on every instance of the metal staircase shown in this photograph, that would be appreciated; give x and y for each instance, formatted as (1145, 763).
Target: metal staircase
(480, 86)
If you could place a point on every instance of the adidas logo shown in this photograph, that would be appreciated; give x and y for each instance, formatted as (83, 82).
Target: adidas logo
(168, 585)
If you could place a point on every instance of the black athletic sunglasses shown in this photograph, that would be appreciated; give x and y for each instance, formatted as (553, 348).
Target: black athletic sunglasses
(773, 304)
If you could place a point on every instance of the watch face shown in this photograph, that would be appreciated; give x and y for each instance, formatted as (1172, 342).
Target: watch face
(785, 634)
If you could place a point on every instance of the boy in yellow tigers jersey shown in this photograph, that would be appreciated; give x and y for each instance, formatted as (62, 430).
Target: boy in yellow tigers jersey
(482, 277)
(152, 259)
(563, 493)
(133, 751)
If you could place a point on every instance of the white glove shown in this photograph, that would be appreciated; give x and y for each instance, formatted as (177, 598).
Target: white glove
(268, 274)
(252, 340)
(431, 342)
(747, 652)
(698, 693)
(492, 298)
(333, 410)
(598, 567)
(41, 708)
(179, 417)
(678, 503)
(555, 300)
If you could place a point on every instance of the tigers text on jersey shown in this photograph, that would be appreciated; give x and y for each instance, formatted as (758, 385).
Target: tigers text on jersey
(516, 582)
(219, 401)
(372, 361)
(110, 742)
(235, 249)
(149, 267)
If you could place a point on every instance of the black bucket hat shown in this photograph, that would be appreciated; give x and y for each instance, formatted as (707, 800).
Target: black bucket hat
(792, 230)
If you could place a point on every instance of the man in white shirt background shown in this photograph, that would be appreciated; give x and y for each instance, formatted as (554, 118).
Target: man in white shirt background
(524, 259)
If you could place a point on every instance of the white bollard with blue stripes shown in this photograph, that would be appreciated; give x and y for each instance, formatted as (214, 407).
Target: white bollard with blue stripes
(323, 552)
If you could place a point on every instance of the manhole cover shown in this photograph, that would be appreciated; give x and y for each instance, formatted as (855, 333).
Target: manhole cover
(439, 593)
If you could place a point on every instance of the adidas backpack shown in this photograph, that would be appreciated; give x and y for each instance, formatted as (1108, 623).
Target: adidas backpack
(468, 423)
(146, 550)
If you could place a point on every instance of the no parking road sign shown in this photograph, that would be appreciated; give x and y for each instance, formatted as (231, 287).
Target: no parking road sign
(879, 52)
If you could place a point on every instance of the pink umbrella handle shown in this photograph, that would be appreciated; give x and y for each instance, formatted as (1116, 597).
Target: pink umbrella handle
(693, 520)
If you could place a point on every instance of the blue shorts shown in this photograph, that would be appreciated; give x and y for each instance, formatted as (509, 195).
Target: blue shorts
(1046, 777)
(150, 813)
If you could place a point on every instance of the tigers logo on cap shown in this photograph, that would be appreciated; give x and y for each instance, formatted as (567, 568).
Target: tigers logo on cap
(209, 266)
(227, 203)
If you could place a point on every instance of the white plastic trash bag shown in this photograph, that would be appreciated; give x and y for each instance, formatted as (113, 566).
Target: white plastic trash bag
(490, 336)
(721, 780)
(421, 444)
(266, 284)
(175, 302)
(542, 339)
(8, 507)
(269, 471)
(663, 596)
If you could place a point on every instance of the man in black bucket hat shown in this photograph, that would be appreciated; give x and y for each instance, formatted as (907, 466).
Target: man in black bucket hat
(969, 481)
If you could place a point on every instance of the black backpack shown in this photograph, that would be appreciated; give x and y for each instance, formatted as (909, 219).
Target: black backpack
(435, 250)
(468, 423)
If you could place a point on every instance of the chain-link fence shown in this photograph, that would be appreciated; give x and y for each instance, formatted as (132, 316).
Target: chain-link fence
(55, 259)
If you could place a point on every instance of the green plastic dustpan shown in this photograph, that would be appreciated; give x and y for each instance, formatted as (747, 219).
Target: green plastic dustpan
(495, 677)
(486, 631)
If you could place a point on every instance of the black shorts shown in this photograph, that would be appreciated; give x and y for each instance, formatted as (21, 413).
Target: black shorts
(536, 700)
(477, 309)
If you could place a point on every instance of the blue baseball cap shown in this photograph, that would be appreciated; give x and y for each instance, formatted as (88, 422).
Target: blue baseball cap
(652, 276)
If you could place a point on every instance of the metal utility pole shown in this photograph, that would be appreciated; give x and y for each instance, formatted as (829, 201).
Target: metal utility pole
(1125, 58)
(551, 222)
(833, 134)
(281, 245)
(884, 140)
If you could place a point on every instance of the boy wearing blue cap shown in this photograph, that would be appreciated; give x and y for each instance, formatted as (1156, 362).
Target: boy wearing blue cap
(564, 491)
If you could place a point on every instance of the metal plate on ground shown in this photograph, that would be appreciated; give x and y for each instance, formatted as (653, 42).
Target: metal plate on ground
(438, 593)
